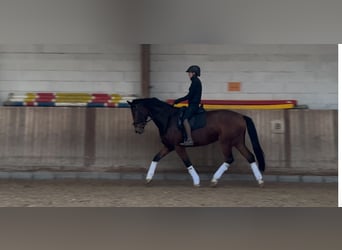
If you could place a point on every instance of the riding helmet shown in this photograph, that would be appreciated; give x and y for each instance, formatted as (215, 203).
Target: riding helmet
(195, 69)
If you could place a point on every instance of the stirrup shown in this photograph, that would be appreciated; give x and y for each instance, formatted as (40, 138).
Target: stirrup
(187, 143)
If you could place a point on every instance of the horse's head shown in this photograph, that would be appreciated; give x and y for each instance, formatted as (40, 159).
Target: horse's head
(140, 115)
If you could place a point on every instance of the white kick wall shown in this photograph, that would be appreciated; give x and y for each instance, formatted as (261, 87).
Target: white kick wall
(307, 73)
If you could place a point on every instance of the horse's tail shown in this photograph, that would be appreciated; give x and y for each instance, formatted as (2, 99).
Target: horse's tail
(255, 143)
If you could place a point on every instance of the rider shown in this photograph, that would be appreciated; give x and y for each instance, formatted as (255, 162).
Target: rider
(194, 100)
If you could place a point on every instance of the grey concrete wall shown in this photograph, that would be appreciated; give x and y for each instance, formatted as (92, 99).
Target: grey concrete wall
(307, 73)
(111, 68)
(104, 140)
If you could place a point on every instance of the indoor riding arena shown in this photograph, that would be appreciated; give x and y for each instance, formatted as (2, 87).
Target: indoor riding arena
(68, 137)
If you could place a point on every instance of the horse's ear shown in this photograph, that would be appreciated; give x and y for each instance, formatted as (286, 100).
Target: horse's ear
(130, 103)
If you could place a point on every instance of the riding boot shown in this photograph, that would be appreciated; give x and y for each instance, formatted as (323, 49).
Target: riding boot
(187, 127)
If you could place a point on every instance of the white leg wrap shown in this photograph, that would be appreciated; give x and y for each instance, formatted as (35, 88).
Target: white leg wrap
(223, 168)
(256, 171)
(151, 170)
(194, 175)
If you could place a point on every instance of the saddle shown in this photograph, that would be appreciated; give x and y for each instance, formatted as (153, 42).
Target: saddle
(197, 121)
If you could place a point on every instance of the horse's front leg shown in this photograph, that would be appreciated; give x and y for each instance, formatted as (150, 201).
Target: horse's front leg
(184, 156)
(163, 152)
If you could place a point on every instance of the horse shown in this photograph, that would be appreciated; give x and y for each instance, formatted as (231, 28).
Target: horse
(226, 126)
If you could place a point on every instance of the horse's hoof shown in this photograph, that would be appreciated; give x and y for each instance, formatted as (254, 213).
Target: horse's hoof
(213, 183)
(261, 183)
(197, 185)
(148, 181)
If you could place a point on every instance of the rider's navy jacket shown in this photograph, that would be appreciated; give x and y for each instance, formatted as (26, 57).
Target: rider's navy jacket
(195, 93)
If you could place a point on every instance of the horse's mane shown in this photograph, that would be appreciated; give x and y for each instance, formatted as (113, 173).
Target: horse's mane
(154, 102)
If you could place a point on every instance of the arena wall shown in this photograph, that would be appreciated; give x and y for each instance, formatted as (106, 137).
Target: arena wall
(307, 73)
(98, 139)
(69, 68)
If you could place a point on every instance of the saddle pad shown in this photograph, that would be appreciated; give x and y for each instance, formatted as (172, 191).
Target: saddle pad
(196, 122)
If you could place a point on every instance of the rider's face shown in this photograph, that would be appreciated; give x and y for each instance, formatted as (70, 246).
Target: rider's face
(191, 74)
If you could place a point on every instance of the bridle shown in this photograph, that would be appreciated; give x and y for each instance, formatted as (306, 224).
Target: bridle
(142, 123)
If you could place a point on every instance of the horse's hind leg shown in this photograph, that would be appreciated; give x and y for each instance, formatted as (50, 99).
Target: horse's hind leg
(163, 152)
(251, 159)
(185, 158)
(228, 155)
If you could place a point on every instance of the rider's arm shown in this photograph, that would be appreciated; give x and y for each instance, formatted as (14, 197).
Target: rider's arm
(184, 98)
(188, 96)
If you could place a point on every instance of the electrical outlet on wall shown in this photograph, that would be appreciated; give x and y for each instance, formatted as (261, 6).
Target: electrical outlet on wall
(277, 126)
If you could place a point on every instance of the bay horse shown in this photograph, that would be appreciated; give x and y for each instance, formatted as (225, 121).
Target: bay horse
(226, 126)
